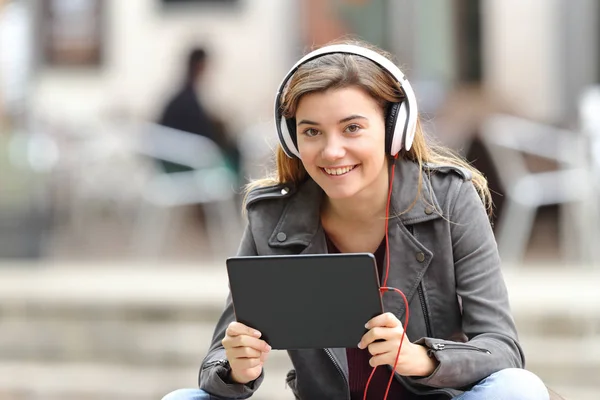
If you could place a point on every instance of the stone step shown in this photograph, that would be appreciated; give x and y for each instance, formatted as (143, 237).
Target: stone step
(146, 342)
(122, 342)
(60, 320)
(180, 342)
(544, 302)
(564, 362)
(85, 381)
(577, 393)
(182, 346)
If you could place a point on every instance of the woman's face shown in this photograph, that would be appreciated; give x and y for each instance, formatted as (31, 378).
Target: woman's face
(341, 140)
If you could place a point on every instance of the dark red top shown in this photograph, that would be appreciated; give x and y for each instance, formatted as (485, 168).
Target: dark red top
(358, 360)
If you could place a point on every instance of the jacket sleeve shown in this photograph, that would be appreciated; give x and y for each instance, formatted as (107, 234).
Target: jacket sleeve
(486, 317)
(214, 372)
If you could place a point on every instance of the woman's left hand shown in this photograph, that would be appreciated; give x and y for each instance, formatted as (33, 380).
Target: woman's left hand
(383, 340)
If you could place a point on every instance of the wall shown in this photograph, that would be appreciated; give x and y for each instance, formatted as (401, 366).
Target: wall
(580, 53)
(521, 56)
(144, 44)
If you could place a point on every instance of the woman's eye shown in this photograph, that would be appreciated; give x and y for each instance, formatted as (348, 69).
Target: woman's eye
(310, 132)
(353, 128)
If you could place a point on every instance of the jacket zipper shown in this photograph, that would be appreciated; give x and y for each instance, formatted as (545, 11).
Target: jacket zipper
(213, 363)
(339, 368)
(459, 346)
(422, 296)
(425, 311)
(427, 326)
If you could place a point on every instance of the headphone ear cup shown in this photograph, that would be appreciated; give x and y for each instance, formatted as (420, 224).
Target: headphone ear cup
(399, 129)
(390, 126)
(287, 136)
(409, 130)
(290, 124)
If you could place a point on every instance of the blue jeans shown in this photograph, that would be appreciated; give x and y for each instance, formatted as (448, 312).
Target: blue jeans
(508, 384)
(190, 394)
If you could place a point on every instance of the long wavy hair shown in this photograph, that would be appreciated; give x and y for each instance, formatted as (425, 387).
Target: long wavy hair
(335, 71)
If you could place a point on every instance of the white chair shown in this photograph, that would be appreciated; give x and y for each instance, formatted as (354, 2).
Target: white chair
(508, 140)
(589, 124)
(208, 182)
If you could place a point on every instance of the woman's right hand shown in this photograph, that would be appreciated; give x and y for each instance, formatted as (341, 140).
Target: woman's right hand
(245, 352)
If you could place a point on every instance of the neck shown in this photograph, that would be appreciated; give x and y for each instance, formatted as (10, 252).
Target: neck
(367, 206)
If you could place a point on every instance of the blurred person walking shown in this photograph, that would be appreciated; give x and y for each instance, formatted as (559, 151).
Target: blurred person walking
(185, 112)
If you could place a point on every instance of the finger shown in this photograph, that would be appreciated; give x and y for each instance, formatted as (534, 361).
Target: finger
(263, 357)
(382, 359)
(374, 334)
(245, 363)
(378, 348)
(237, 328)
(387, 319)
(249, 341)
(245, 341)
(243, 352)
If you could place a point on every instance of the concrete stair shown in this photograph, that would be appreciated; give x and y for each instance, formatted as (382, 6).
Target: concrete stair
(131, 332)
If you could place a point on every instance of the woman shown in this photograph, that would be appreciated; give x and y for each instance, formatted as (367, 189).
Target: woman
(356, 174)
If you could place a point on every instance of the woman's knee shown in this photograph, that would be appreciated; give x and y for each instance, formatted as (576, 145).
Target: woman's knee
(516, 383)
(187, 394)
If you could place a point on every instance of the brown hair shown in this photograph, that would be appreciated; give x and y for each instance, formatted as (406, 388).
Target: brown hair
(333, 71)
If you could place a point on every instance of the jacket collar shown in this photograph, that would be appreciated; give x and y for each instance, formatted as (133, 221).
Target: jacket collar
(300, 221)
(410, 206)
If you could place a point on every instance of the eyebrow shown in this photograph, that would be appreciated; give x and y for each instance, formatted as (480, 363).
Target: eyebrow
(341, 121)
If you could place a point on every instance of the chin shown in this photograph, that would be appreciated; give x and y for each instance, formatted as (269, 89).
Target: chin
(339, 193)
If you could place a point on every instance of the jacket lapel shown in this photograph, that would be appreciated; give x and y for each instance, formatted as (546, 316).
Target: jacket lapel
(300, 223)
(413, 202)
(409, 259)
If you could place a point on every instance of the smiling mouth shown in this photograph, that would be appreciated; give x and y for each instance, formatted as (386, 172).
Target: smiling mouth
(339, 171)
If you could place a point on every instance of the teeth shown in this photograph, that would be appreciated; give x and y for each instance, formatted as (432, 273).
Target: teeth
(338, 171)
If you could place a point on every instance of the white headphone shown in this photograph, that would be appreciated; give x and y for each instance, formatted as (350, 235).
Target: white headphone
(401, 118)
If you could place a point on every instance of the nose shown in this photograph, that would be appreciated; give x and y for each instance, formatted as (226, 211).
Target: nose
(333, 149)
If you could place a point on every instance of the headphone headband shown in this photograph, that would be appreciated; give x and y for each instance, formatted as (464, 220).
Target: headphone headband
(405, 119)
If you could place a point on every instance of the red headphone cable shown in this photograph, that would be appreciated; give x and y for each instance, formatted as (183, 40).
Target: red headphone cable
(384, 288)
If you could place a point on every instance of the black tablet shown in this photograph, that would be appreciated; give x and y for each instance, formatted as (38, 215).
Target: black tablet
(306, 301)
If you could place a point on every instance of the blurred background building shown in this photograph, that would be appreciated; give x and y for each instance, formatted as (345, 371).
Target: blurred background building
(112, 265)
